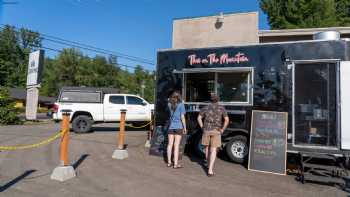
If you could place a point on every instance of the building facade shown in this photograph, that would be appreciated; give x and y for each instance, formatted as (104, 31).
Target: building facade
(236, 29)
(215, 31)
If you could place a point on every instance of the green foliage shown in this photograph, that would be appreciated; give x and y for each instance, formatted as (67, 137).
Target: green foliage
(14, 51)
(147, 79)
(8, 112)
(291, 14)
(70, 68)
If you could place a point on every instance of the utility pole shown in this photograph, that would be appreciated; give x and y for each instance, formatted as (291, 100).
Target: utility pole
(143, 88)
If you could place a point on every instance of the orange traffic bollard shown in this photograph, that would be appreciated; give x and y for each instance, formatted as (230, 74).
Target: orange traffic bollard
(121, 135)
(150, 131)
(65, 138)
(64, 171)
(151, 126)
(121, 152)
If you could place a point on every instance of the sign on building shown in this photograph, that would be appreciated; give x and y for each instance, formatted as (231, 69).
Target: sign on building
(35, 65)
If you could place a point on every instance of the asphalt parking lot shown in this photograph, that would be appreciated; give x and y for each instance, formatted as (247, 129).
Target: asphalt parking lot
(27, 172)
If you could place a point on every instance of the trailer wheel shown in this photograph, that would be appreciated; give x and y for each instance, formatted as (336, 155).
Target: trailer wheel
(237, 149)
(82, 124)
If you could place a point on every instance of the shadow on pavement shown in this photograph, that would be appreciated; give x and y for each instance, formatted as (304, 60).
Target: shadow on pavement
(200, 161)
(92, 141)
(108, 129)
(16, 180)
(203, 164)
(115, 129)
(79, 161)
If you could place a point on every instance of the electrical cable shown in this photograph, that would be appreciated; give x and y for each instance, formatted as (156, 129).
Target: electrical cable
(75, 46)
(97, 48)
(89, 47)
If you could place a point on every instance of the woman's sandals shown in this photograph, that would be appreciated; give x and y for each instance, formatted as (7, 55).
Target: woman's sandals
(210, 174)
(178, 166)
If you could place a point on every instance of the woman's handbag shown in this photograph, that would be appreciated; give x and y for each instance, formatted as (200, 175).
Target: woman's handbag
(183, 143)
(168, 122)
(159, 139)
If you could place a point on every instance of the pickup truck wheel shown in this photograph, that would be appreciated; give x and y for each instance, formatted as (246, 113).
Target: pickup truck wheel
(82, 124)
(237, 149)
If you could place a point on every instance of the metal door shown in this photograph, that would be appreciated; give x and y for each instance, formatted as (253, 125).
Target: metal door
(345, 104)
(315, 109)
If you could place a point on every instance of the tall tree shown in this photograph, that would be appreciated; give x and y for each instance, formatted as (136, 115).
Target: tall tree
(50, 83)
(70, 68)
(15, 47)
(291, 14)
(68, 63)
(146, 79)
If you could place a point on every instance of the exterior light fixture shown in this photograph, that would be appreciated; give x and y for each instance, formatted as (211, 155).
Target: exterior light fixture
(219, 21)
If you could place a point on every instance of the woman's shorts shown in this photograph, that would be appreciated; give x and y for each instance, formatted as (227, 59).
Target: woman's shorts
(175, 131)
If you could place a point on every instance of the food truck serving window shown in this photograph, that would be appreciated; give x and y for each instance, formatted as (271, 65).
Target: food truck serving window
(232, 85)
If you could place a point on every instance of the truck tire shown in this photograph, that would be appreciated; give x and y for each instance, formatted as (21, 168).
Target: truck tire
(82, 124)
(237, 149)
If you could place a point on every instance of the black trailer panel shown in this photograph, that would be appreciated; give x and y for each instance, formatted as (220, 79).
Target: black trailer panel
(272, 88)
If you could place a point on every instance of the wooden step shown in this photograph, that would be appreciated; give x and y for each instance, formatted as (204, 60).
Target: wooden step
(326, 167)
(324, 179)
(319, 156)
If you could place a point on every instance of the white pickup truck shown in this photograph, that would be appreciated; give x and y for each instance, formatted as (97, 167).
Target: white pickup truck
(96, 105)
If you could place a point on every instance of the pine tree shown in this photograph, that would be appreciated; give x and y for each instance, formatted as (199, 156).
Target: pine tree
(291, 14)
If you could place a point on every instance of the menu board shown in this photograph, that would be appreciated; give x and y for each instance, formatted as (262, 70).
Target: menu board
(159, 142)
(268, 142)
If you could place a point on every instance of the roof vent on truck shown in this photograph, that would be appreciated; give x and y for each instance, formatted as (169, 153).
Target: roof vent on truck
(104, 90)
(327, 35)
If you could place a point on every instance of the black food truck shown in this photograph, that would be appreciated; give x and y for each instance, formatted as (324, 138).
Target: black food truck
(308, 79)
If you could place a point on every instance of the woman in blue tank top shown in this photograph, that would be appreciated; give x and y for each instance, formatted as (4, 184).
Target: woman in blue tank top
(177, 127)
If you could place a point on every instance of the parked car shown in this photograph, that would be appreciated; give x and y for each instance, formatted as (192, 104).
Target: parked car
(97, 105)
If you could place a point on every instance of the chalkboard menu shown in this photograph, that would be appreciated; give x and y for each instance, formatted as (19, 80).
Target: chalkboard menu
(268, 142)
(159, 142)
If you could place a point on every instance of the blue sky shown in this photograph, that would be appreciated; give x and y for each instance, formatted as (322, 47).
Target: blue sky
(134, 27)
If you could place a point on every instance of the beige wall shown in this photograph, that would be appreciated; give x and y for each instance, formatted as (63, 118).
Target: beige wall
(241, 28)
